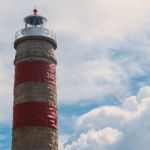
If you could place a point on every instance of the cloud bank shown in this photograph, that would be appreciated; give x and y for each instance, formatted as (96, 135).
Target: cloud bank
(108, 46)
(115, 127)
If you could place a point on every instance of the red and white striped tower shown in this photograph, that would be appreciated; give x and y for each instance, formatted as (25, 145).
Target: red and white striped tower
(35, 96)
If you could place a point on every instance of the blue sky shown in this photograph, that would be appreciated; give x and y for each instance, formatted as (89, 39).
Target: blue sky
(103, 71)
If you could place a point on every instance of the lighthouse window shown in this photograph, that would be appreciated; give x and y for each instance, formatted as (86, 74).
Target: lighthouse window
(34, 21)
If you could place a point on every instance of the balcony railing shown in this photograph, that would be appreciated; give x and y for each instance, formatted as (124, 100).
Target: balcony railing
(35, 31)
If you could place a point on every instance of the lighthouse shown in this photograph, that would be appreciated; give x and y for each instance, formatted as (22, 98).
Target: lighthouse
(35, 96)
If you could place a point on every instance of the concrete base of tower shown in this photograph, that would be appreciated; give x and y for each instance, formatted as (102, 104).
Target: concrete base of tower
(35, 138)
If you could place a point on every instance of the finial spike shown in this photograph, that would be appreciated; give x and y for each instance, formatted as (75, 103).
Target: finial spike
(35, 8)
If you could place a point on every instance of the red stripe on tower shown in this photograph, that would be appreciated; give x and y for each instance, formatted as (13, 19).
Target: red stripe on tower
(35, 71)
(35, 114)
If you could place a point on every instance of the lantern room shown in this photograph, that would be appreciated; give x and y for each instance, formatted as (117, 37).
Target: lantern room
(35, 25)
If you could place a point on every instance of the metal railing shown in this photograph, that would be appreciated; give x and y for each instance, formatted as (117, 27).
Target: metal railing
(35, 31)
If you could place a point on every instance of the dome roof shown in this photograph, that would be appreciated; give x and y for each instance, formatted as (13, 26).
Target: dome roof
(35, 19)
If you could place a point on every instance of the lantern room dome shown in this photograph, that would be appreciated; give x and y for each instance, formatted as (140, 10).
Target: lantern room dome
(35, 25)
(34, 20)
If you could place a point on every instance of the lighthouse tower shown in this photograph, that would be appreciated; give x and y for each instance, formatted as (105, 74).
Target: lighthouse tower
(35, 96)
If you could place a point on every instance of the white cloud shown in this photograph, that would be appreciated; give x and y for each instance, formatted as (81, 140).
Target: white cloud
(105, 21)
(131, 103)
(103, 27)
(61, 141)
(128, 126)
(92, 79)
(144, 93)
(96, 139)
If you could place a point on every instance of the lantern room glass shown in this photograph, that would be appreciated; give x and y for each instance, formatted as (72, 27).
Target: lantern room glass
(35, 21)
